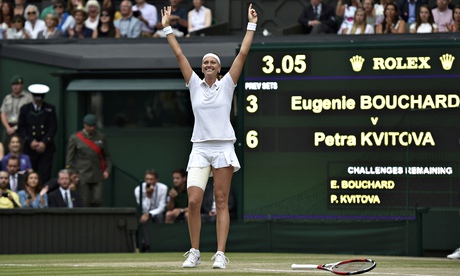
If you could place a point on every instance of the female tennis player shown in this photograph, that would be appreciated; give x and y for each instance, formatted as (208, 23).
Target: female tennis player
(213, 152)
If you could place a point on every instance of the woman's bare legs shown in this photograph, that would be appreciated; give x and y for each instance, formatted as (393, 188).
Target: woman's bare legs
(195, 198)
(222, 181)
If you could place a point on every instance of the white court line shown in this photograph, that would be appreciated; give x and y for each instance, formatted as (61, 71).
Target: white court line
(17, 265)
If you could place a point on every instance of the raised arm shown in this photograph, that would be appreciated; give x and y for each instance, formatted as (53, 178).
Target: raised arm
(238, 63)
(184, 65)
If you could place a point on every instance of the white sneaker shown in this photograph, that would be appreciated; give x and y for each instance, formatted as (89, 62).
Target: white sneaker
(455, 255)
(220, 261)
(193, 258)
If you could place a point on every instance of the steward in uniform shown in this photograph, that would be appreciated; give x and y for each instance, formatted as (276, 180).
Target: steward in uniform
(37, 126)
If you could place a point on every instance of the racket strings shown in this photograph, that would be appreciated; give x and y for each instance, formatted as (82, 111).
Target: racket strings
(353, 266)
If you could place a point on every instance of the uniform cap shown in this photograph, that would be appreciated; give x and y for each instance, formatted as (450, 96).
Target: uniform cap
(90, 119)
(38, 89)
(17, 79)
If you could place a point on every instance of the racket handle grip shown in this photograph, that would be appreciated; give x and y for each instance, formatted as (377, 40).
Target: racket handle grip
(303, 267)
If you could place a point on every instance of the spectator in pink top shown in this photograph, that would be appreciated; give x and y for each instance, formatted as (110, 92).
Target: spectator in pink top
(442, 15)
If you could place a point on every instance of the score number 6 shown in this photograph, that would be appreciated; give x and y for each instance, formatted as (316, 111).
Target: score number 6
(251, 139)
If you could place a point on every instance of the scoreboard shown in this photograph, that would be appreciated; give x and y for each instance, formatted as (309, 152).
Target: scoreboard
(349, 130)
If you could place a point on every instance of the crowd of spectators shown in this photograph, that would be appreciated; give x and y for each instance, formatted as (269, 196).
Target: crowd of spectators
(138, 18)
(95, 19)
(382, 17)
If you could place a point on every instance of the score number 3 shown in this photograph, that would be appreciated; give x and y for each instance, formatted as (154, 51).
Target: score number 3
(253, 106)
(288, 64)
(251, 137)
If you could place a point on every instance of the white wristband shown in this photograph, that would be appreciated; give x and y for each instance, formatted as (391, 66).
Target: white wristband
(167, 30)
(251, 26)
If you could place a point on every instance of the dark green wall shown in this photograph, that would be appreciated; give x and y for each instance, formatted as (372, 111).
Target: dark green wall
(134, 151)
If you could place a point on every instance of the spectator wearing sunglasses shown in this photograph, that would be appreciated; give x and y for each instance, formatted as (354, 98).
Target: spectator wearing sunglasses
(66, 20)
(17, 30)
(106, 28)
(33, 25)
(94, 10)
(110, 6)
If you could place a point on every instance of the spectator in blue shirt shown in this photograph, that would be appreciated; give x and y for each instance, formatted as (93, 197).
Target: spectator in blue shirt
(15, 147)
(33, 195)
(128, 25)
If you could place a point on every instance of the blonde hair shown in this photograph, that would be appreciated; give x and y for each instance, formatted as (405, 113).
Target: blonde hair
(362, 26)
(53, 17)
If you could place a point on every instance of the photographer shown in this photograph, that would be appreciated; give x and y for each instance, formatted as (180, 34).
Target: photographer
(153, 204)
(148, 15)
(8, 198)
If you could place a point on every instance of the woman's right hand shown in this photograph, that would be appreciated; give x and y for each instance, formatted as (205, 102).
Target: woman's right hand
(165, 16)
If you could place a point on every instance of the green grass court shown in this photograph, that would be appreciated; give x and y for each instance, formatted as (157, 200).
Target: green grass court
(240, 264)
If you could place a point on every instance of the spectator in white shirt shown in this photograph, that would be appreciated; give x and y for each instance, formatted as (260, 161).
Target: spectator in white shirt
(153, 204)
(425, 22)
(148, 15)
(94, 9)
(33, 25)
(199, 17)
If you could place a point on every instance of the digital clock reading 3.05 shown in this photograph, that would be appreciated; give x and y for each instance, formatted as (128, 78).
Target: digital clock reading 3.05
(288, 64)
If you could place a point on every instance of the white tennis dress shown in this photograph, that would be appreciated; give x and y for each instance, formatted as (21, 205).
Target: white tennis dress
(213, 135)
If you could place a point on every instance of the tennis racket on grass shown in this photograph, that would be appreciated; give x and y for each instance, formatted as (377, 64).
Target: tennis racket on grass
(348, 267)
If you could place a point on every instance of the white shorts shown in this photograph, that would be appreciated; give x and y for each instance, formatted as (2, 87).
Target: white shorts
(218, 154)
